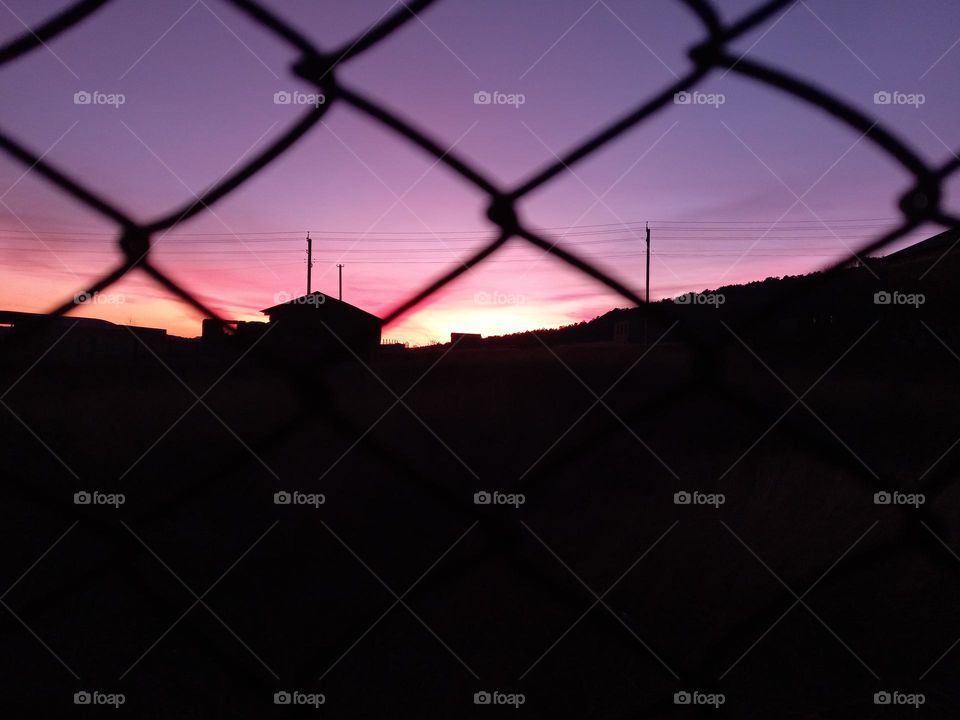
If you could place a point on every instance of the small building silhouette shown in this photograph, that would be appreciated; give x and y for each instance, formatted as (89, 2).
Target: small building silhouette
(320, 323)
(466, 340)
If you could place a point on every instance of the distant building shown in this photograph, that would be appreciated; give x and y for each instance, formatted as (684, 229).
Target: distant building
(466, 340)
(71, 339)
(393, 346)
(320, 323)
(303, 328)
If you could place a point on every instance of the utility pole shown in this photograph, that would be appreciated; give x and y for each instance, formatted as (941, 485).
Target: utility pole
(309, 262)
(646, 310)
(340, 272)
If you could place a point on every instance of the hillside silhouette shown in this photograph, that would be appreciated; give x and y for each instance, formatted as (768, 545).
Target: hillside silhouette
(817, 308)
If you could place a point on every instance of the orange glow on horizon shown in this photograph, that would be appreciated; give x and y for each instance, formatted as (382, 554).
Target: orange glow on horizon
(431, 323)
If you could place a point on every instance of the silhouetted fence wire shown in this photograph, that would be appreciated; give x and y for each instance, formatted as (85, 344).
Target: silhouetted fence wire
(921, 204)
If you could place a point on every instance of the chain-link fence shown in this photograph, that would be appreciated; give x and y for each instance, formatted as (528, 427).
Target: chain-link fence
(321, 68)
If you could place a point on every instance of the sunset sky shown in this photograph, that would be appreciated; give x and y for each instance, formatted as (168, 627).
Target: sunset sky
(198, 83)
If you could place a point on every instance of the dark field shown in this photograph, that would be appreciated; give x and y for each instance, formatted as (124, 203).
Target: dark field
(798, 597)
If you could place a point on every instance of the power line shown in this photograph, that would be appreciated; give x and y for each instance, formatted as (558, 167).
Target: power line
(827, 253)
(436, 253)
(639, 226)
(439, 243)
(368, 245)
(801, 243)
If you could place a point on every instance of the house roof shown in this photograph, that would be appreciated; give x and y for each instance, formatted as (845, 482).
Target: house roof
(318, 300)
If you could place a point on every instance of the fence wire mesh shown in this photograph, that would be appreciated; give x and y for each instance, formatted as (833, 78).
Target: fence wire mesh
(321, 68)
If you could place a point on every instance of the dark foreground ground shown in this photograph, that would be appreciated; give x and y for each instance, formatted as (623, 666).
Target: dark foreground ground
(599, 597)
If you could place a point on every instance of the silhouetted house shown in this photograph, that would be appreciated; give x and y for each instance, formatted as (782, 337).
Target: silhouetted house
(466, 340)
(316, 324)
(75, 339)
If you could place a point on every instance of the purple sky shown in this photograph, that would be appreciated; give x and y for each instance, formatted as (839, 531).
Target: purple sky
(199, 81)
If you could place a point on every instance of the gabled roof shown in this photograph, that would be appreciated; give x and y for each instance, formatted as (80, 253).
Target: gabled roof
(315, 301)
